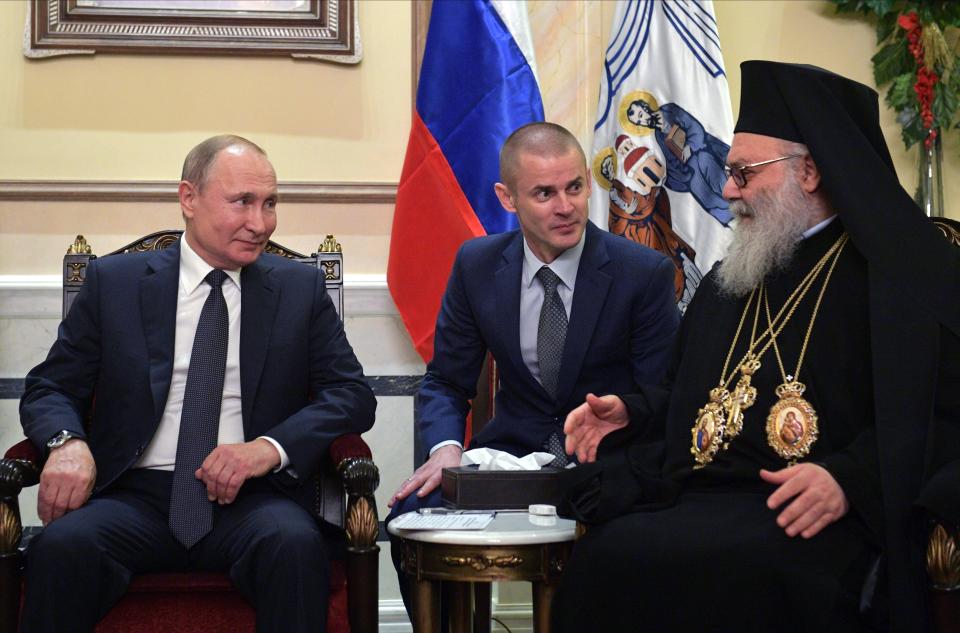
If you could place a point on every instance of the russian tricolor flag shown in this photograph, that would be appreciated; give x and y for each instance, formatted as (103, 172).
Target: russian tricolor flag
(477, 84)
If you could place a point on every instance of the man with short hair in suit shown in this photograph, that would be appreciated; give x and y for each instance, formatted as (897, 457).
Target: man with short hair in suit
(221, 375)
(565, 308)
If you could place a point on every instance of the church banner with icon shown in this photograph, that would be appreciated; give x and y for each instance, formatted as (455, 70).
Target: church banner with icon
(664, 125)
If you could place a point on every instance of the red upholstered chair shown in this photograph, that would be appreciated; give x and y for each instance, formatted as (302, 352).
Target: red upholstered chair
(185, 602)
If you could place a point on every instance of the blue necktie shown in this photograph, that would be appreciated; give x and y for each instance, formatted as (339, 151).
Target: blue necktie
(551, 336)
(191, 512)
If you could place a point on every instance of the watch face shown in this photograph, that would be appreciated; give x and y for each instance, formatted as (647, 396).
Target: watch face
(59, 440)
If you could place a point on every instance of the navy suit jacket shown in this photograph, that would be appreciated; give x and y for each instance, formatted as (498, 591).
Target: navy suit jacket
(301, 383)
(621, 331)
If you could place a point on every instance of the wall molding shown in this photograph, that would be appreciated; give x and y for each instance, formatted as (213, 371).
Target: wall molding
(166, 191)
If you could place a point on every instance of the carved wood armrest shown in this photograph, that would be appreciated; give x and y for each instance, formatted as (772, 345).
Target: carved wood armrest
(943, 558)
(580, 531)
(14, 475)
(360, 478)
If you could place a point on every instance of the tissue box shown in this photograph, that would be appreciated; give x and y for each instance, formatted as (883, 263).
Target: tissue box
(467, 488)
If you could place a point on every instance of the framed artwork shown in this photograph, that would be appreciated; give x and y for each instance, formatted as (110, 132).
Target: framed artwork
(318, 29)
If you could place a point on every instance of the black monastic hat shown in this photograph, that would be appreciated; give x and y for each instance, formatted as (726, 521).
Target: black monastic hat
(838, 120)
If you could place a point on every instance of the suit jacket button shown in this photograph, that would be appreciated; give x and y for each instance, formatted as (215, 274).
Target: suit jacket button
(140, 450)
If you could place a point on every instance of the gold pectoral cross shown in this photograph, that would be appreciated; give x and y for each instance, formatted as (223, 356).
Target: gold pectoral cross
(742, 398)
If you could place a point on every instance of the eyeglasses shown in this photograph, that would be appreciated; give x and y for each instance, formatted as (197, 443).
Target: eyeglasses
(739, 174)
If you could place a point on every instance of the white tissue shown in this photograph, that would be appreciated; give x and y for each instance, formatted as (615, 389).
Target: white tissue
(491, 459)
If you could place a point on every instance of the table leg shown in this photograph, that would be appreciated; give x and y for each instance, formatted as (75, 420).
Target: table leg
(426, 606)
(459, 606)
(481, 607)
(542, 599)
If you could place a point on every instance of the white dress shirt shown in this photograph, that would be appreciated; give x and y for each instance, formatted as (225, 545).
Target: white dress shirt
(816, 228)
(531, 301)
(192, 292)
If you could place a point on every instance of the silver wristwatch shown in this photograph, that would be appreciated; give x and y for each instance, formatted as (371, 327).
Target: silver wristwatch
(60, 439)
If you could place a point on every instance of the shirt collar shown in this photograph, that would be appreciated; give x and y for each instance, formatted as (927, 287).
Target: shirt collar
(816, 228)
(565, 265)
(193, 268)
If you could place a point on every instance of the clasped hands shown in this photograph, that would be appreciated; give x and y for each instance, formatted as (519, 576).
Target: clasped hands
(812, 496)
(70, 472)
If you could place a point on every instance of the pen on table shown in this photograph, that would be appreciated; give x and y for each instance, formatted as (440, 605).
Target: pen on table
(452, 511)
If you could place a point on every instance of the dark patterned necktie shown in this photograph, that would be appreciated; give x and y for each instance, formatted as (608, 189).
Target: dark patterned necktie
(551, 335)
(191, 512)
(551, 331)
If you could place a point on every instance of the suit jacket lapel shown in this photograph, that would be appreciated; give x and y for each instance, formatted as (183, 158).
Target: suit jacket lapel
(260, 295)
(158, 310)
(507, 280)
(589, 296)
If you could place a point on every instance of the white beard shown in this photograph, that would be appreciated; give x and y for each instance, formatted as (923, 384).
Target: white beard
(767, 241)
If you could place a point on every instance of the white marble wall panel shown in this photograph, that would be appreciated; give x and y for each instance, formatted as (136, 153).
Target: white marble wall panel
(391, 441)
(24, 343)
(383, 346)
(380, 342)
(30, 296)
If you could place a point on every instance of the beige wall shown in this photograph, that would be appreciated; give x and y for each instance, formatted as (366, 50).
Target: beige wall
(35, 235)
(810, 32)
(130, 117)
(134, 117)
(118, 117)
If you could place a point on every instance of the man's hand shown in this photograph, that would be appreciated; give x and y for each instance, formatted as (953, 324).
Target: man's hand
(229, 465)
(591, 422)
(818, 500)
(427, 477)
(66, 481)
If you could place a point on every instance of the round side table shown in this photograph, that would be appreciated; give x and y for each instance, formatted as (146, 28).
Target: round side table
(515, 546)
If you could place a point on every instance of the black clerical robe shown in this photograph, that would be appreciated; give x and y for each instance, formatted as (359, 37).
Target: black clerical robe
(835, 370)
(698, 550)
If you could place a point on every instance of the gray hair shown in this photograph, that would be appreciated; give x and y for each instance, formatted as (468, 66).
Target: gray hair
(791, 148)
(197, 165)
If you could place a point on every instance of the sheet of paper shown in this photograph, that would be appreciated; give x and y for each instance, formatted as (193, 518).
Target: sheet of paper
(414, 521)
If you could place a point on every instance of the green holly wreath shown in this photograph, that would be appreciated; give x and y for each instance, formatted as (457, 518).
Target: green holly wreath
(919, 57)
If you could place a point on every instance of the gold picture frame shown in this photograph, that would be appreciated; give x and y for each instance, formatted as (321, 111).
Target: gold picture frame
(315, 29)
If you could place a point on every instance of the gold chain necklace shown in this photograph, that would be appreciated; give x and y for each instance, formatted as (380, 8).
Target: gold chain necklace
(792, 423)
(721, 419)
(745, 394)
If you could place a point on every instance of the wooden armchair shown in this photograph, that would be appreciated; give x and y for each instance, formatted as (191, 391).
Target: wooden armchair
(184, 602)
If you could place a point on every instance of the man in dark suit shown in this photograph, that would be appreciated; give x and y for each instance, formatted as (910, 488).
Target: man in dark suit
(601, 317)
(210, 418)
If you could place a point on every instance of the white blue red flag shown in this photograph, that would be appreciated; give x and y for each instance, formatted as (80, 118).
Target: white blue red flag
(477, 84)
(663, 130)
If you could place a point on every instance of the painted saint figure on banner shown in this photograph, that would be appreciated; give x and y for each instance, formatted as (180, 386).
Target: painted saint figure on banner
(694, 157)
(639, 172)
(639, 212)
